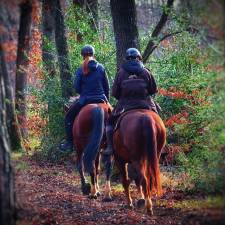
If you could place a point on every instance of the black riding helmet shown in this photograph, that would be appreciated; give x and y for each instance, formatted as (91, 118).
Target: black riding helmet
(133, 53)
(87, 50)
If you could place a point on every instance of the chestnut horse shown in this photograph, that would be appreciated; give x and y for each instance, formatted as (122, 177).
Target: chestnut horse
(139, 139)
(88, 134)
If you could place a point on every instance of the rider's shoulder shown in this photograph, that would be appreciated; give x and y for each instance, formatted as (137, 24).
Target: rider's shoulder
(79, 71)
(101, 67)
(122, 71)
(147, 71)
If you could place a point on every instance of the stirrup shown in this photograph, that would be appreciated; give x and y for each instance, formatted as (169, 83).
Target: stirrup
(108, 151)
(66, 146)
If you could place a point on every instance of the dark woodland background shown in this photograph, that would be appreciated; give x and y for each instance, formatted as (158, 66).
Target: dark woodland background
(182, 43)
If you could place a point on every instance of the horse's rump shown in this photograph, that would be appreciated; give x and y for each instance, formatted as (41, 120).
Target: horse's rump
(129, 126)
(127, 136)
(139, 138)
(84, 122)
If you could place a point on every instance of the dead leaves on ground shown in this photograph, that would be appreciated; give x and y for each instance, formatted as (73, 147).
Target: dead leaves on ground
(50, 195)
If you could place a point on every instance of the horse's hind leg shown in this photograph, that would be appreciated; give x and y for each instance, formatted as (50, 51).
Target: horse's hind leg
(85, 187)
(134, 170)
(94, 179)
(108, 170)
(93, 194)
(147, 194)
(141, 197)
(97, 169)
(122, 166)
(98, 193)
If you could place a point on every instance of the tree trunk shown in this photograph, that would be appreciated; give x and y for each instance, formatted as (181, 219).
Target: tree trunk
(22, 64)
(48, 56)
(8, 72)
(48, 31)
(125, 26)
(7, 195)
(151, 44)
(91, 6)
(223, 4)
(62, 49)
(11, 122)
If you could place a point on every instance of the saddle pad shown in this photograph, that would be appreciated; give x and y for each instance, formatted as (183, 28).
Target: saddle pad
(117, 125)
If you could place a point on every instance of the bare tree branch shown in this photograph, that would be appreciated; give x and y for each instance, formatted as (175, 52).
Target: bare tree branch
(155, 45)
(157, 30)
(191, 30)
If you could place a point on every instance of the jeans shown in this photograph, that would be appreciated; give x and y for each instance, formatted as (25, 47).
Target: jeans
(71, 115)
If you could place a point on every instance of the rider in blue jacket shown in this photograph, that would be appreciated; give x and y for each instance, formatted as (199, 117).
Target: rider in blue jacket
(92, 84)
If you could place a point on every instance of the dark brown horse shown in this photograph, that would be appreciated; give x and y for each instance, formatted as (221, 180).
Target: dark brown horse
(139, 140)
(88, 133)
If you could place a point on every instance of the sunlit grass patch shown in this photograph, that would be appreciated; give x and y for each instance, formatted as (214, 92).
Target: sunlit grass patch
(172, 177)
(117, 188)
(210, 202)
(34, 143)
(17, 155)
(215, 202)
(57, 173)
(168, 181)
(22, 165)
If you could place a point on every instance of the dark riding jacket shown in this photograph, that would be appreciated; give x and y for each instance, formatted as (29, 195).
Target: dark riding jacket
(136, 68)
(94, 86)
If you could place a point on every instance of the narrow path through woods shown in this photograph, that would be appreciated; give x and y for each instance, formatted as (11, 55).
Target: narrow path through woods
(49, 194)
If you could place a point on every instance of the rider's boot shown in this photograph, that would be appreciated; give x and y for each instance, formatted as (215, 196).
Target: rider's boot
(67, 145)
(69, 119)
(154, 106)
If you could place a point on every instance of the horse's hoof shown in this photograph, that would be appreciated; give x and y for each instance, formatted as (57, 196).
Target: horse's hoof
(107, 199)
(86, 189)
(140, 203)
(131, 206)
(150, 212)
(92, 197)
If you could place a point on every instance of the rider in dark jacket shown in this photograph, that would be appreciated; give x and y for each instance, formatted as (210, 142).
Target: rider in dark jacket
(92, 84)
(133, 87)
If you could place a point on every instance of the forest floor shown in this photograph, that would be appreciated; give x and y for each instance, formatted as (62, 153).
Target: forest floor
(49, 194)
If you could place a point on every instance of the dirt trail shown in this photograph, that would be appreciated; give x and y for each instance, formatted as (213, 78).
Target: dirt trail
(50, 194)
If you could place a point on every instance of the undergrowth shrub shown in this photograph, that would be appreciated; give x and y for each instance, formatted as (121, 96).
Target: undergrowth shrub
(49, 93)
(206, 162)
(190, 95)
(187, 96)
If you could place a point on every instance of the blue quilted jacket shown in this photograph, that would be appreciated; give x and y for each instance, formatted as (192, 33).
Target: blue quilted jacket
(94, 85)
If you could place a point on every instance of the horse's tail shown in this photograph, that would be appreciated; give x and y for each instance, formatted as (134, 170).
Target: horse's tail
(93, 145)
(152, 169)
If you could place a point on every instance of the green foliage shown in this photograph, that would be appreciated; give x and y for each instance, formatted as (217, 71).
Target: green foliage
(51, 110)
(81, 33)
(205, 168)
(178, 71)
(49, 96)
(22, 165)
(181, 70)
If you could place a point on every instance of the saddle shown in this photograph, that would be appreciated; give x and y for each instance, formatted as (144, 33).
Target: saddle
(68, 104)
(117, 125)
